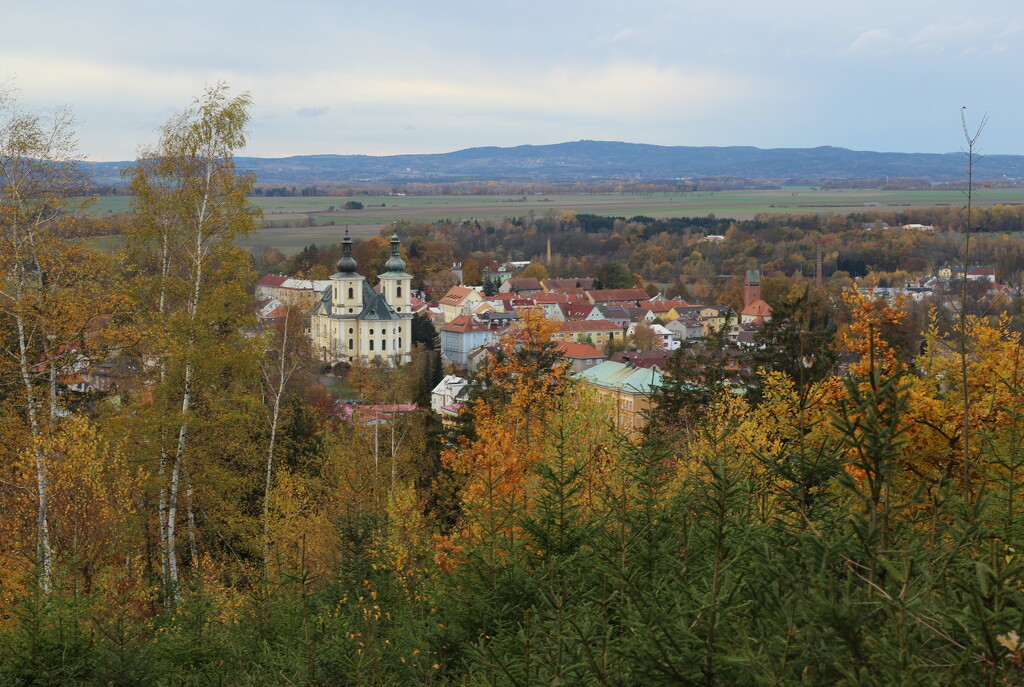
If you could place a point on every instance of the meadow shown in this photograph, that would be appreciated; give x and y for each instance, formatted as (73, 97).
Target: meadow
(326, 215)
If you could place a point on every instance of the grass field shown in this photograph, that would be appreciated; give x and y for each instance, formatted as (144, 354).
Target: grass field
(329, 219)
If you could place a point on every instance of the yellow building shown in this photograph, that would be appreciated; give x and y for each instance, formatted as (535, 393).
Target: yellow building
(353, 322)
(628, 388)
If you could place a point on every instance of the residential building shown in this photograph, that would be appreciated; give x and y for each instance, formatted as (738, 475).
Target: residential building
(595, 332)
(450, 390)
(580, 356)
(634, 297)
(457, 301)
(584, 283)
(628, 388)
(524, 286)
(462, 335)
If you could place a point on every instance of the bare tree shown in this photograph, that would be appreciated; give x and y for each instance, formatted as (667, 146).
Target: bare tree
(973, 156)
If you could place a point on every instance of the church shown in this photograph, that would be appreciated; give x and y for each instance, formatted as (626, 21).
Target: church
(354, 322)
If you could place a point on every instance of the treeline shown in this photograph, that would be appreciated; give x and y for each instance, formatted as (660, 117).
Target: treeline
(674, 256)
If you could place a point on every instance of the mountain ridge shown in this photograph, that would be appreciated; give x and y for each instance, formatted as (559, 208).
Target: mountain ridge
(588, 160)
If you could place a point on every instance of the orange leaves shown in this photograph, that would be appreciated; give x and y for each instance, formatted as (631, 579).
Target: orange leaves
(865, 336)
(522, 384)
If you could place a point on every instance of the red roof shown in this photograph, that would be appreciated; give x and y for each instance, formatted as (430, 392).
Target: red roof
(456, 295)
(568, 284)
(370, 413)
(665, 306)
(757, 308)
(278, 312)
(571, 349)
(524, 284)
(575, 311)
(464, 324)
(272, 280)
(610, 295)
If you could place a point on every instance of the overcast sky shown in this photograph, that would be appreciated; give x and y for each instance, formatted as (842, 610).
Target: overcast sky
(410, 76)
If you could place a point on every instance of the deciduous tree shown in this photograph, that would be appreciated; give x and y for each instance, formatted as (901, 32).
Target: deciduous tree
(192, 205)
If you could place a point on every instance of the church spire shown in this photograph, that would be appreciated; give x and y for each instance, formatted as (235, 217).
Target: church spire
(347, 264)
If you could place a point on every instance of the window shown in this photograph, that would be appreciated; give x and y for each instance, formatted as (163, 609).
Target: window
(350, 330)
(383, 344)
(371, 344)
(371, 332)
(399, 294)
(351, 344)
(351, 293)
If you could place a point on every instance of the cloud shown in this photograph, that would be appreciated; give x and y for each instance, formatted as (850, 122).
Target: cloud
(945, 35)
(308, 112)
(873, 42)
(616, 87)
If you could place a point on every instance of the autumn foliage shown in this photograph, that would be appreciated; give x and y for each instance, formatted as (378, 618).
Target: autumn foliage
(212, 515)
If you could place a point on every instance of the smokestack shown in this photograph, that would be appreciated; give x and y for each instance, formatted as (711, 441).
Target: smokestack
(818, 275)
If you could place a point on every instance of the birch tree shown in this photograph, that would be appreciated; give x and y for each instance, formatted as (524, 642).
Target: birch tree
(191, 205)
(40, 176)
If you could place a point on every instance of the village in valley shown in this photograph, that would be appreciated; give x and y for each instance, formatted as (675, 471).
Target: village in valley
(620, 342)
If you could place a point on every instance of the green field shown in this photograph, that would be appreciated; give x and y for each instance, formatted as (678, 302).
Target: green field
(329, 218)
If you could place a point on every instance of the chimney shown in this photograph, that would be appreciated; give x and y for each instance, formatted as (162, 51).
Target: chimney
(752, 288)
(818, 276)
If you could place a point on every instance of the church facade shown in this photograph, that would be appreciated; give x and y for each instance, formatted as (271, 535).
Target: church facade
(352, 322)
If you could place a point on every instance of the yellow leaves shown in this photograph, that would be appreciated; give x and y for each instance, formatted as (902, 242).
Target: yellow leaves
(93, 490)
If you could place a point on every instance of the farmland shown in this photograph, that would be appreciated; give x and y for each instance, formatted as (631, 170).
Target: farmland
(284, 218)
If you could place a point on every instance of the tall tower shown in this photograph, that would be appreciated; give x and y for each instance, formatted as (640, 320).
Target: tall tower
(348, 285)
(395, 282)
(752, 287)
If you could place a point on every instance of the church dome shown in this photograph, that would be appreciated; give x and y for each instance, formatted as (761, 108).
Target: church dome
(347, 264)
(395, 262)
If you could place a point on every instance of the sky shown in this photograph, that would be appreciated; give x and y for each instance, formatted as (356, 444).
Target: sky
(409, 76)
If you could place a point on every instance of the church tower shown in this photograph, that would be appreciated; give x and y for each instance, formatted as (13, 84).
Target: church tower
(395, 282)
(348, 285)
(351, 322)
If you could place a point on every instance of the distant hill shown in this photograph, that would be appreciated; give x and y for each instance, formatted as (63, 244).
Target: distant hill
(605, 160)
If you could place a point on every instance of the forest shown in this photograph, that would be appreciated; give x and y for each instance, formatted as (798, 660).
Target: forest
(200, 515)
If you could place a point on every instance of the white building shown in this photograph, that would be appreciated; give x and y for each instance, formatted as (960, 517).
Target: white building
(352, 322)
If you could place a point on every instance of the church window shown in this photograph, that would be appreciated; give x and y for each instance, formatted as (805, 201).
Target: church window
(399, 294)
(350, 330)
(351, 344)
(383, 344)
(351, 293)
(371, 332)
(371, 344)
